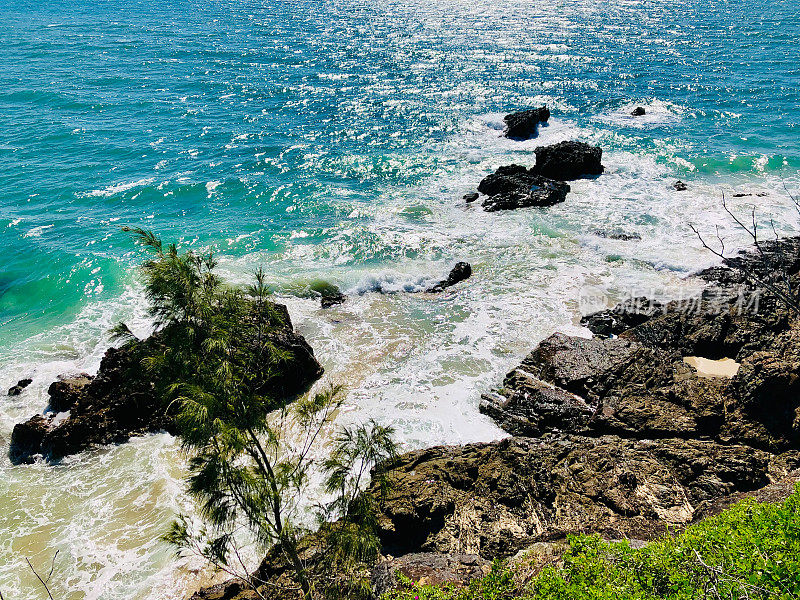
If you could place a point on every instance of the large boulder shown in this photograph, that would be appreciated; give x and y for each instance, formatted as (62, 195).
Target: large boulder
(122, 401)
(524, 124)
(568, 160)
(26, 438)
(515, 186)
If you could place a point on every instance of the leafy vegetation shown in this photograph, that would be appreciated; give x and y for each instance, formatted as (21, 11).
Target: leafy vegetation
(250, 453)
(750, 551)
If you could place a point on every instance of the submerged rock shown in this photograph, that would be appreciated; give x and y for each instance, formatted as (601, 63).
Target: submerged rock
(617, 235)
(460, 272)
(471, 197)
(680, 186)
(515, 186)
(16, 390)
(639, 111)
(121, 400)
(332, 297)
(524, 124)
(570, 160)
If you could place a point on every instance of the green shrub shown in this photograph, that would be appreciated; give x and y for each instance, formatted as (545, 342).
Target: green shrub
(750, 551)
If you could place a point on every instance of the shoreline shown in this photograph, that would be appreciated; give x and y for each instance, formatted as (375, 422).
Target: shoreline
(614, 435)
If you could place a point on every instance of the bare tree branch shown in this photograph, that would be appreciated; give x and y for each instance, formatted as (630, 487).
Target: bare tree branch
(44, 582)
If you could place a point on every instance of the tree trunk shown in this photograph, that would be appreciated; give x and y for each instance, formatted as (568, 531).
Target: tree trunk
(290, 548)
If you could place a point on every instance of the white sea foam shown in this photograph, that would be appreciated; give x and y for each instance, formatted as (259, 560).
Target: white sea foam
(118, 188)
(37, 231)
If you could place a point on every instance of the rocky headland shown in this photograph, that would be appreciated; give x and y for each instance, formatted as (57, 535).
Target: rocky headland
(620, 434)
(121, 400)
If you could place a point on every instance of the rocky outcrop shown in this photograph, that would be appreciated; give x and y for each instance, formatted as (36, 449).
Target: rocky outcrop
(524, 125)
(16, 390)
(121, 401)
(495, 499)
(615, 435)
(628, 314)
(680, 186)
(460, 272)
(570, 160)
(515, 186)
(637, 384)
(639, 111)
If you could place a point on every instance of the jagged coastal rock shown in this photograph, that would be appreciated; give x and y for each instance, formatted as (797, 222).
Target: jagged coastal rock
(639, 111)
(496, 499)
(615, 435)
(120, 401)
(568, 160)
(524, 124)
(515, 186)
(16, 390)
(460, 272)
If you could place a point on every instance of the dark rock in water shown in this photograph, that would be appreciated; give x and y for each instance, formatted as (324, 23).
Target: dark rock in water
(26, 439)
(21, 385)
(745, 194)
(680, 186)
(514, 186)
(428, 568)
(471, 197)
(523, 125)
(460, 272)
(638, 111)
(568, 160)
(121, 401)
(617, 235)
(332, 296)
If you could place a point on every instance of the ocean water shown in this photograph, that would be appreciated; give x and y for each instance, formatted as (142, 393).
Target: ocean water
(333, 140)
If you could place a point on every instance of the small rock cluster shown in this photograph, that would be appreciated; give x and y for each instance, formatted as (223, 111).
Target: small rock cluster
(516, 186)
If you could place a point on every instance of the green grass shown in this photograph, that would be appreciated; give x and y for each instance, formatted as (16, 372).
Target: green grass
(750, 551)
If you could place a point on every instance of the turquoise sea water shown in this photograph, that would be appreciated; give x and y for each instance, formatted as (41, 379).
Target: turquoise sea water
(333, 140)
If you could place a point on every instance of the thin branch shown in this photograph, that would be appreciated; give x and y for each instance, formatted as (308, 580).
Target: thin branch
(44, 582)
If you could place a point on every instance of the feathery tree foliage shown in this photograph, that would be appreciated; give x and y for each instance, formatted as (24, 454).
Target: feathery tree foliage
(348, 522)
(250, 454)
